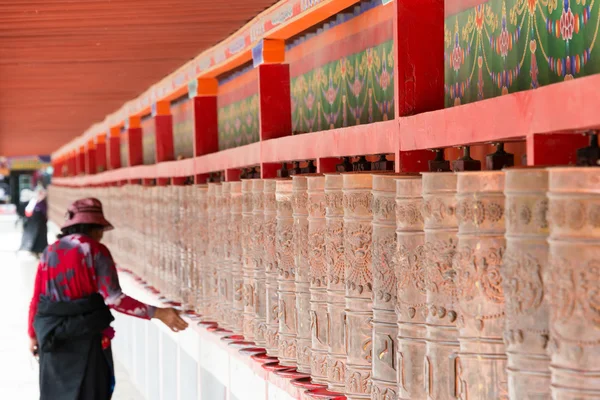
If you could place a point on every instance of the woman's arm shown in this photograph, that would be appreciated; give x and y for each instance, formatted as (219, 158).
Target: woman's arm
(109, 287)
(35, 299)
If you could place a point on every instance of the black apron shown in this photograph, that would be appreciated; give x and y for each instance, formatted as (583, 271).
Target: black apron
(73, 365)
(35, 233)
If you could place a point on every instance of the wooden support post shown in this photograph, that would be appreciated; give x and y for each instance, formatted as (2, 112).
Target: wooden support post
(134, 141)
(114, 148)
(200, 179)
(325, 165)
(232, 175)
(163, 121)
(275, 115)
(203, 94)
(90, 157)
(72, 163)
(554, 148)
(101, 156)
(419, 68)
(81, 161)
(178, 180)
(269, 170)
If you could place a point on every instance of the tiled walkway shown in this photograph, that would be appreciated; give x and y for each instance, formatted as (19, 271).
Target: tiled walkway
(18, 372)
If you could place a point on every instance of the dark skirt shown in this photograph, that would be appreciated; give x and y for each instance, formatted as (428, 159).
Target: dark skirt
(35, 233)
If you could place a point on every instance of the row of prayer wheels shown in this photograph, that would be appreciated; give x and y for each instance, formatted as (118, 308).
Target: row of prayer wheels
(471, 285)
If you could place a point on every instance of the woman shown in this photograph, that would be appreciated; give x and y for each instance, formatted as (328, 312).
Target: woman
(35, 228)
(69, 316)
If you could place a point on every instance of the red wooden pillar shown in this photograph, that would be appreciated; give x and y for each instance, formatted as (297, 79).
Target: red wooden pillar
(114, 148)
(71, 161)
(275, 115)
(419, 68)
(203, 94)
(81, 161)
(554, 148)
(163, 120)
(134, 141)
(90, 157)
(101, 161)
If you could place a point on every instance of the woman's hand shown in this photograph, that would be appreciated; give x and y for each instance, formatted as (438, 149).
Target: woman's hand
(170, 317)
(33, 346)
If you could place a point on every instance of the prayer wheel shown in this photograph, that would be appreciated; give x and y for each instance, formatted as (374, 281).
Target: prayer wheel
(220, 270)
(284, 245)
(480, 367)
(248, 259)
(225, 276)
(385, 328)
(200, 242)
(411, 288)
(336, 283)
(317, 227)
(210, 280)
(259, 277)
(234, 255)
(271, 266)
(524, 267)
(187, 275)
(441, 228)
(572, 282)
(162, 237)
(359, 283)
(302, 276)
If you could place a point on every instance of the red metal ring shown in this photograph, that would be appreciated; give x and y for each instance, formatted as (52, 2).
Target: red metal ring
(307, 383)
(249, 351)
(241, 344)
(232, 338)
(264, 358)
(275, 366)
(293, 374)
(324, 394)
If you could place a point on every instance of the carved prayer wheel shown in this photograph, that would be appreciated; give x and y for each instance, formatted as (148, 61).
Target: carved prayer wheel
(317, 228)
(359, 283)
(480, 368)
(385, 328)
(186, 260)
(259, 278)
(162, 239)
(284, 245)
(301, 248)
(248, 259)
(270, 262)
(225, 276)
(524, 266)
(234, 255)
(411, 288)
(336, 286)
(178, 236)
(220, 274)
(210, 280)
(441, 228)
(200, 243)
(169, 247)
(573, 282)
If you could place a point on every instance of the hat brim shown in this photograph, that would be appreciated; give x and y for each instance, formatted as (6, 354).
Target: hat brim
(82, 219)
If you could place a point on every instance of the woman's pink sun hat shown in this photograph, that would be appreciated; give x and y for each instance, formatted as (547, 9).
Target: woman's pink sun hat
(86, 211)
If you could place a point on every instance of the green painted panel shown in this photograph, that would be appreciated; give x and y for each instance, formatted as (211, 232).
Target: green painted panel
(353, 90)
(506, 46)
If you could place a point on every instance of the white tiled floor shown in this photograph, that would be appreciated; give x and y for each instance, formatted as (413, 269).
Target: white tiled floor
(18, 372)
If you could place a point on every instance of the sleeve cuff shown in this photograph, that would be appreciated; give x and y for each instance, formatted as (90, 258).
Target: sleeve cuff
(151, 311)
